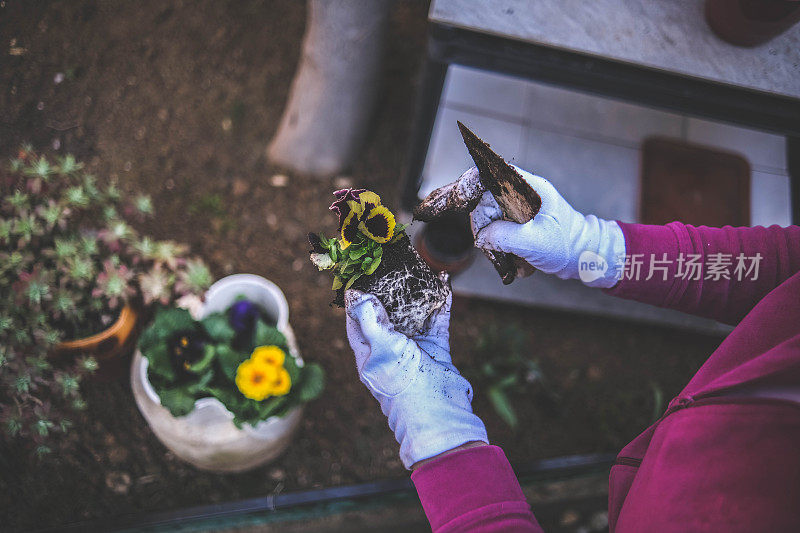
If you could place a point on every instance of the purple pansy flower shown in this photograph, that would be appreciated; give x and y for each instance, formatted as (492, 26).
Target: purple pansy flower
(361, 210)
(186, 347)
(242, 316)
(340, 207)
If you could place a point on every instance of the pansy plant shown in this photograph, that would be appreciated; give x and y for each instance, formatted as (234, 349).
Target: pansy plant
(365, 226)
(236, 357)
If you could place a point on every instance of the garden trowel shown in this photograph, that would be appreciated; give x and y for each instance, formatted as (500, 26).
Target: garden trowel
(518, 201)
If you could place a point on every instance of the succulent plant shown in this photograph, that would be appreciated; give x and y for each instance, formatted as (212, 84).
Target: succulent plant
(69, 262)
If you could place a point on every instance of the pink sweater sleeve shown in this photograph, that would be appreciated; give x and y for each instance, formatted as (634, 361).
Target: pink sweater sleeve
(473, 490)
(728, 284)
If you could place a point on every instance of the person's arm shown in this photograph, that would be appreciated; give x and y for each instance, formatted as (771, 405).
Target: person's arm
(473, 489)
(463, 483)
(736, 267)
(719, 273)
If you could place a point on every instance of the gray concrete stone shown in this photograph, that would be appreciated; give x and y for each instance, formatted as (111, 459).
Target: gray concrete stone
(669, 35)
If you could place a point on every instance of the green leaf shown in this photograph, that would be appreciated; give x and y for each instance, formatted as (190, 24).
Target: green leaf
(658, 401)
(352, 280)
(365, 264)
(373, 266)
(290, 364)
(158, 361)
(507, 381)
(209, 352)
(502, 406)
(229, 360)
(178, 400)
(284, 408)
(231, 399)
(268, 407)
(202, 383)
(312, 382)
(149, 337)
(337, 283)
(378, 253)
(176, 319)
(266, 335)
(218, 328)
(356, 253)
(334, 253)
(167, 322)
(397, 236)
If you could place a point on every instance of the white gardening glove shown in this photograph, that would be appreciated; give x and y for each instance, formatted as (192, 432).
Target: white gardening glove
(428, 403)
(558, 240)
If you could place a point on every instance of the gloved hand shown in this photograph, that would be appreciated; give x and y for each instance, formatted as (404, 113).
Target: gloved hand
(558, 240)
(428, 403)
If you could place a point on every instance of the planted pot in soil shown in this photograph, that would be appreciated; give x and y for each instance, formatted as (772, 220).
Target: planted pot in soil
(111, 348)
(405, 285)
(207, 437)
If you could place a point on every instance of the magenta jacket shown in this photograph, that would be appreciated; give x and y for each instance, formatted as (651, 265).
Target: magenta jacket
(725, 456)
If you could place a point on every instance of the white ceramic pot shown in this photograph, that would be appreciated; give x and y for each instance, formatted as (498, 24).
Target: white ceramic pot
(207, 437)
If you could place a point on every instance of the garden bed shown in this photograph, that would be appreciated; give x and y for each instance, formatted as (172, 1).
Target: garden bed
(179, 102)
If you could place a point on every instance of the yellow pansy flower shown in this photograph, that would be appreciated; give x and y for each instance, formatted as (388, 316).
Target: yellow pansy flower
(361, 210)
(256, 380)
(378, 225)
(282, 384)
(349, 229)
(271, 355)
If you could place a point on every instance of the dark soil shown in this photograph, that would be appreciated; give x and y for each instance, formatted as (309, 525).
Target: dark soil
(179, 100)
(421, 282)
(421, 287)
(95, 322)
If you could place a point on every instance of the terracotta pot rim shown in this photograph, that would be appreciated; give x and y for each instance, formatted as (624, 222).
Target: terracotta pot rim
(453, 266)
(127, 313)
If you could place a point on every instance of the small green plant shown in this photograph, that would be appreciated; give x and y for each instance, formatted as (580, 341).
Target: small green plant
(235, 357)
(505, 371)
(211, 206)
(365, 226)
(69, 262)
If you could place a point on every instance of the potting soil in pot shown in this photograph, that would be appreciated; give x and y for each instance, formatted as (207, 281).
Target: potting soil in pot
(405, 285)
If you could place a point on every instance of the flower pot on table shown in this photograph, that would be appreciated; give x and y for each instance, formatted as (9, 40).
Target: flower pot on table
(446, 243)
(207, 437)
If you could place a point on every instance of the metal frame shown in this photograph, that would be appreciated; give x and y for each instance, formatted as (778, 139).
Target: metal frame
(320, 502)
(670, 91)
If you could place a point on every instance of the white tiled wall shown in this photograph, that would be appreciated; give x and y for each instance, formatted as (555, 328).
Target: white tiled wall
(595, 177)
(601, 119)
(770, 199)
(587, 145)
(447, 155)
(764, 151)
(589, 148)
